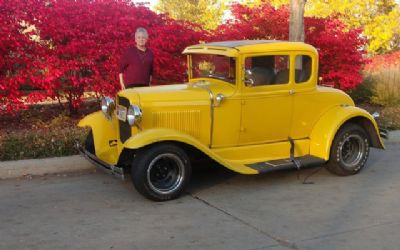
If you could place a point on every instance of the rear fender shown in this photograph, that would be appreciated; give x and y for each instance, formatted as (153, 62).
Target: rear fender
(326, 128)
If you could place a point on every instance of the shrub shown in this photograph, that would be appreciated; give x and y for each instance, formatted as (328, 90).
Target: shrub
(77, 47)
(390, 117)
(364, 92)
(340, 51)
(40, 143)
(41, 131)
(17, 52)
(67, 47)
(384, 70)
(387, 87)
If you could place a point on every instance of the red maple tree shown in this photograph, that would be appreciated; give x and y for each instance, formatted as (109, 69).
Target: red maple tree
(80, 46)
(74, 46)
(18, 52)
(340, 51)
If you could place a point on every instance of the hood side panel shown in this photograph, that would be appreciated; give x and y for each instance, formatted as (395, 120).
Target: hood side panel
(185, 121)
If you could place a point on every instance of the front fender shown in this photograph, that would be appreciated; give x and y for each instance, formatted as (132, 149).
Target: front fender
(155, 135)
(325, 129)
(104, 136)
(151, 136)
(90, 120)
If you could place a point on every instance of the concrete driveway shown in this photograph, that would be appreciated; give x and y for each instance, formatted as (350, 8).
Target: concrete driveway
(222, 210)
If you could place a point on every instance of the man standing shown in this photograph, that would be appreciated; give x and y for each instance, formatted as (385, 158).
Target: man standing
(136, 65)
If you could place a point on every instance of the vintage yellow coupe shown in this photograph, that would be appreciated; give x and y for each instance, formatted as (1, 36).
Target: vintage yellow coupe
(252, 106)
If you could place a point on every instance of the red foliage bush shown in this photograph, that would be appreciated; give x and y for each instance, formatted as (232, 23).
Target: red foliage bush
(167, 43)
(88, 46)
(260, 22)
(17, 53)
(377, 63)
(340, 52)
(81, 43)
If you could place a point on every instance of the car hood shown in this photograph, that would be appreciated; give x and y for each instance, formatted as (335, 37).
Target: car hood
(189, 92)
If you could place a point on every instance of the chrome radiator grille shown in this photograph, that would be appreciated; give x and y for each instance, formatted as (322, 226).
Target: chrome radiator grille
(125, 130)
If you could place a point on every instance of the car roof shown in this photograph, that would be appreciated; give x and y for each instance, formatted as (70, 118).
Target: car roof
(235, 47)
(239, 43)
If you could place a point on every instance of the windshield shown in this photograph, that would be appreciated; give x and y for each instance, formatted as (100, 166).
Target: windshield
(214, 66)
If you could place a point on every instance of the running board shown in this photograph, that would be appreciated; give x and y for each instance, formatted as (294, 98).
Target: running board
(275, 165)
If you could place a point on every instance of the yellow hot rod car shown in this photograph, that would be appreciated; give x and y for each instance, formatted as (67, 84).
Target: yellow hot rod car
(252, 106)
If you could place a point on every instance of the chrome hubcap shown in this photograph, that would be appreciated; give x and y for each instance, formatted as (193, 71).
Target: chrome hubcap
(165, 173)
(352, 150)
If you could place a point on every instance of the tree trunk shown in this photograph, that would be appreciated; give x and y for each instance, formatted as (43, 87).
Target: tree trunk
(296, 22)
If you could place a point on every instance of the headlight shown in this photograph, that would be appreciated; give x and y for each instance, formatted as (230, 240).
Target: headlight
(134, 115)
(107, 106)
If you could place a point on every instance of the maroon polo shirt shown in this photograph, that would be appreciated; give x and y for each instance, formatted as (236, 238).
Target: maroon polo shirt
(136, 66)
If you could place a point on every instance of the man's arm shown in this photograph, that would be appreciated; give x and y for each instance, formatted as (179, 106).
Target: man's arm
(151, 68)
(123, 64)
(121, 80)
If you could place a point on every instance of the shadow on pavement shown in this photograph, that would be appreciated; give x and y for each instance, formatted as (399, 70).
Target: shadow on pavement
(209, 175)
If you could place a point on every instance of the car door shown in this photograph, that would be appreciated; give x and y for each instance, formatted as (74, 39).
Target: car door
(267, 102)
(305, 96)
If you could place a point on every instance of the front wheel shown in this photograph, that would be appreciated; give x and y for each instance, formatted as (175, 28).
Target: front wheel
(349, 150)
(161, 172)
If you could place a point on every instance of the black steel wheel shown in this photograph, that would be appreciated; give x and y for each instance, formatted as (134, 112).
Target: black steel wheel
(349, 150)
(161, 172)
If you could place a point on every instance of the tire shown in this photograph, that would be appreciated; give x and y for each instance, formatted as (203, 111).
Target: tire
(349, 151)
(161, 172)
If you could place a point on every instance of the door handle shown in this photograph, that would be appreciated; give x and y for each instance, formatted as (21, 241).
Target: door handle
(292, 92)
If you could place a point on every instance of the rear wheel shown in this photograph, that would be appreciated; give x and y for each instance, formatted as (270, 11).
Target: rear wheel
(161, 172)
(349, 151)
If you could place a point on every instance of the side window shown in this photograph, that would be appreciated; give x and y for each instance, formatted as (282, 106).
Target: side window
(303, 68)
(267, 70)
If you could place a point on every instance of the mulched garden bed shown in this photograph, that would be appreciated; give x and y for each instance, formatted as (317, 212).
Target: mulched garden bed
(44, 130)
(42, 115)
(389, 116)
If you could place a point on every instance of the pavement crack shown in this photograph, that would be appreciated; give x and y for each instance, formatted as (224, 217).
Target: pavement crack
(351, 231)
(281, 242)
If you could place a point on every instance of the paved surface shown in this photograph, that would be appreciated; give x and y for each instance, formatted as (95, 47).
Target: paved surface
(15, 169)
(394, 136)
(222, 210)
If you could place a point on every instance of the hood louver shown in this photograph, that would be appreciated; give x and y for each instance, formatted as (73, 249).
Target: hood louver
(185, 121)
